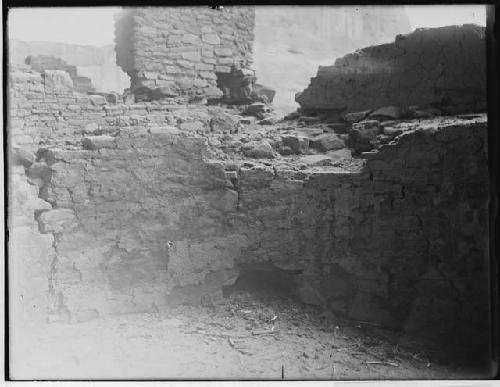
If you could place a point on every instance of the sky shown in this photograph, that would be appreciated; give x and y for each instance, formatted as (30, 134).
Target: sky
(95, 25)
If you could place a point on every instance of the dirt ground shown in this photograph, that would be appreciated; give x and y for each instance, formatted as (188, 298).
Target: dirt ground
(247, 336)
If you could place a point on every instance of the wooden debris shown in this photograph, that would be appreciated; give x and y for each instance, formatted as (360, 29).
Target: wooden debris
(384, 363)
(265, 332)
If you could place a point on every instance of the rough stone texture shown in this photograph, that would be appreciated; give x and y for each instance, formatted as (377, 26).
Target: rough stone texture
(41, 114)
(442, 67)
(183, 48)
(170, 207)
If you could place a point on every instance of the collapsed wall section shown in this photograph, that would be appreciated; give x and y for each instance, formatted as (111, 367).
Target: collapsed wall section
(39, 63)
(438, 67)
(182, 49)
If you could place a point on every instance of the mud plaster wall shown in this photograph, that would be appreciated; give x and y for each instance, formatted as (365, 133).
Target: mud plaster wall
(146, 217)
(182, 48)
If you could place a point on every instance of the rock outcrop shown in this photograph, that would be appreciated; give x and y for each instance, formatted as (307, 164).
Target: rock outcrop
(443, 68)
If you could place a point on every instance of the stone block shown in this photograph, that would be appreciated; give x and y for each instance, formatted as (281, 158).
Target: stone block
(191, 56)
(213, 92)
(315, 160)
(224, 123)
(207, 53)
(210, 38)
(194, 126)
(258, 150)
(257, 109)
(164, 130)
(208, 75)
(57, 220)
(223, 52)
(297, 143)
(340, 154)
(356, 116)
(200, 82)
(185, 64)
(326, 142)
(97, 100)
(174, 39)
(203, 67)
(98, 142)
(190, 39)
(223, 69)
(185, 83)
(57, 81)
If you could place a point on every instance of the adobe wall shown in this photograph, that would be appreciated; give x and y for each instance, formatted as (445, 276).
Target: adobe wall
(183, 48)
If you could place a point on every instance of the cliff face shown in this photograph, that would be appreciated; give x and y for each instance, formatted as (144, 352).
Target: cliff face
(290, 42)
(439, 67)
(97, 63)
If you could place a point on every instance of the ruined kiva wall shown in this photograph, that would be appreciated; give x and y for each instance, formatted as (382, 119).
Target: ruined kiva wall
(146, 218)
(181, 49)
(437, 67)
(139, 211)
(148, 215)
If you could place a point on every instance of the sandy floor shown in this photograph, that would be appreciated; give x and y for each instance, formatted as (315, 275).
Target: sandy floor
(244, 337)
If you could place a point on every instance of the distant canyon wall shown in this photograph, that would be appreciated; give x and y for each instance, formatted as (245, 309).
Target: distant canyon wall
(290, 42)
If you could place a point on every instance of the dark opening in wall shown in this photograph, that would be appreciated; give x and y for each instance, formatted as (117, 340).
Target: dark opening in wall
(236, 86)
(264, 278)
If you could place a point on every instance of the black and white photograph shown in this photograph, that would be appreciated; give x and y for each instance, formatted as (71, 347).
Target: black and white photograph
(250, 192)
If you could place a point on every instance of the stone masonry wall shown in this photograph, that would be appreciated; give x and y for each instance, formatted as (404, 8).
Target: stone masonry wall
(145, 213)
(183, 48)
(402, 243)
(44, 109)
(437, 67)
